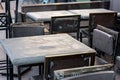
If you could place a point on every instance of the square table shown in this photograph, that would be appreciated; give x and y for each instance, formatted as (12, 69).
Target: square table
(33, 50)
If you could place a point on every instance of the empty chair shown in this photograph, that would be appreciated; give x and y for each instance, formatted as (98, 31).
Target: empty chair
(105, 19)
(57, 62)
(25, 30)
(105, 41)
(65, 24)
(4, 33)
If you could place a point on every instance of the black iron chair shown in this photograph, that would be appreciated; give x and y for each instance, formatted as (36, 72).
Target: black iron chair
(5, 28)
(66, 24)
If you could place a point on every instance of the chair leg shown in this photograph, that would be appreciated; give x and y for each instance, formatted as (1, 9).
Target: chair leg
(7, 67)
(41, 69)
(90, 40)
(19, 71)
(11, 71)
(80, 37)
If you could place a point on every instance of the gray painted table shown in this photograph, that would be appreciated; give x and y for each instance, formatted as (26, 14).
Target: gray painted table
(46, 15)
(33, 50)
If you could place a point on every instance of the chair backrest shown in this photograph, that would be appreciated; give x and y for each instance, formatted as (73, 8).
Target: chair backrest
(102, 75)
(83, 73)
(26, 29)
(105, 40)
(65, 24)
(62, 62)
(105, 19)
